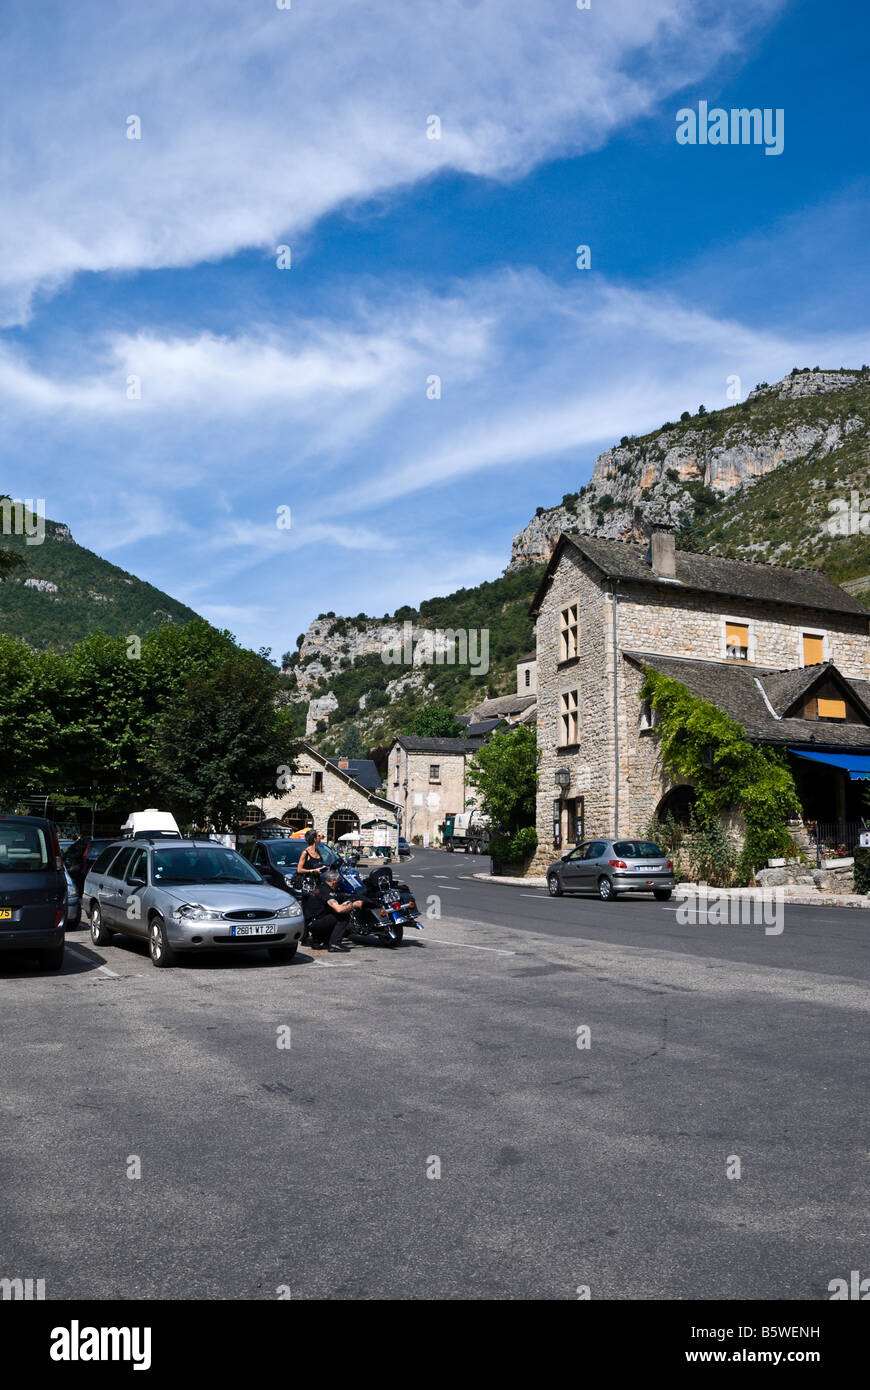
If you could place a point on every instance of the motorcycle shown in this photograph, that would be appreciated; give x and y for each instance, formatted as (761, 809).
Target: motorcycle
(388, 906)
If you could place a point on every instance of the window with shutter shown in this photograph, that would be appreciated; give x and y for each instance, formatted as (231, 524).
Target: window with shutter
(813, 650)
(737, 641)
(832, 709)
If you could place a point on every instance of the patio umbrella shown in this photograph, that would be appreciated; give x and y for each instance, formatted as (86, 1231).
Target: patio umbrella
(351, 835)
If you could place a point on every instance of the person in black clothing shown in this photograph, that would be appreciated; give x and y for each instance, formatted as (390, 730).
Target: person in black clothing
(327, 913)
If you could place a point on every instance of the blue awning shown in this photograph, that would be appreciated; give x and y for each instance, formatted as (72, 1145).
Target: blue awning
(856, 764)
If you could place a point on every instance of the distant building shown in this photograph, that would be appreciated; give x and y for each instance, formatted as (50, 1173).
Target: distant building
(426, 777)
(324, 794)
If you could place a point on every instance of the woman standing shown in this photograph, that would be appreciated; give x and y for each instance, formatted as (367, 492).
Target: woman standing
(311, 864)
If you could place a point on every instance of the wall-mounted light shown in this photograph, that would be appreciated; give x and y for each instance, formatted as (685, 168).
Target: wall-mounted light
(563, 778)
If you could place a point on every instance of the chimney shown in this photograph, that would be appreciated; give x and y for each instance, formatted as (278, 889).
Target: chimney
(663, 556)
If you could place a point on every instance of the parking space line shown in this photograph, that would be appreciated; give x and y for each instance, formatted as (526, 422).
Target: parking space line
(468, 946)
(82, 955)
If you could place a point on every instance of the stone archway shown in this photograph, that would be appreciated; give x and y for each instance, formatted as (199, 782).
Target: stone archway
(677, 803)
(341, 823)
(297, 818)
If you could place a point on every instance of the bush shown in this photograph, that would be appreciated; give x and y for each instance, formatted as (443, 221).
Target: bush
(513, 849)
(862, 870)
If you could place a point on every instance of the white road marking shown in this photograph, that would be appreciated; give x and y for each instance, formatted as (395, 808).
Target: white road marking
(416, 875)
(104, 969)
(452, 890)
(438, 875)
(469, 947)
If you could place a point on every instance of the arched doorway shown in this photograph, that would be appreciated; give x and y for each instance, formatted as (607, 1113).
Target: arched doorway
(678, 804)
(297, 818)
(341, 823)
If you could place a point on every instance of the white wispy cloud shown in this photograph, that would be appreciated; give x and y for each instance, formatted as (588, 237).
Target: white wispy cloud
(256, 121)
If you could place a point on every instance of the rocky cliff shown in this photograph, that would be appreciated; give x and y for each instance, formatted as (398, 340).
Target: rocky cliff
(809, 415)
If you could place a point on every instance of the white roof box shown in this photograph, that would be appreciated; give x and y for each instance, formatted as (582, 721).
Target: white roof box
(151, 822)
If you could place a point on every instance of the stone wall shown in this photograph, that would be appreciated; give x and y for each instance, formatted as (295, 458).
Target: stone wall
(693, 625)
(337, 795)
(425, 803)
(589, 763)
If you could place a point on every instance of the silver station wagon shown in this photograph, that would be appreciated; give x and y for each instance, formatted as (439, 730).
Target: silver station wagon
(188, 895)
(612, 867)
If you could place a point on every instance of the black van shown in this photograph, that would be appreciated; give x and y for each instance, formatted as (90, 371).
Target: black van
(32, 889)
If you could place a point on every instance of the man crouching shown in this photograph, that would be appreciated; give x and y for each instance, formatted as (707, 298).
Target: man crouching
(327, 914)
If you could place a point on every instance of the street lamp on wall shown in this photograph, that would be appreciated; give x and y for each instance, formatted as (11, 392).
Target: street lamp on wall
(563, 779)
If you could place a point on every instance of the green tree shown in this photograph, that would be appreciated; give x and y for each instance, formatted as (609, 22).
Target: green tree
(219, 741)
(435, 721)
(504, 774)
(351, 745)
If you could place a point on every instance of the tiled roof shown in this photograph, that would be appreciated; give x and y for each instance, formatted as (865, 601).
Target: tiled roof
(798, 588)
(362, 770)
(734, 688)
(504, 704)
(438, 745)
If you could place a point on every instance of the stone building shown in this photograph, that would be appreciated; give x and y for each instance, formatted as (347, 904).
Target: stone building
(323, 794)
(785, 652)
(426, 777)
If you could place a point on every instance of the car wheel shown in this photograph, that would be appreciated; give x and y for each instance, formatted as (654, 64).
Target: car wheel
(51, 960)
(281, 954)
(162, 954)
(605, 890)
(661, 895)
(101, 935)
(554, 887)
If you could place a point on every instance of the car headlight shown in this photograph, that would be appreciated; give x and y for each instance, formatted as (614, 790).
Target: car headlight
(190, 912)
(291, 910)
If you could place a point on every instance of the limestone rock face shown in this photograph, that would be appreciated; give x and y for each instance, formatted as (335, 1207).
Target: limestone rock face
(653, 473)
(321, 708)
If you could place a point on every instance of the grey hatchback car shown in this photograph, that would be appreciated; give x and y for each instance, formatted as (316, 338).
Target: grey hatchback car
(188, 895)
(611, 867)
(33, 891)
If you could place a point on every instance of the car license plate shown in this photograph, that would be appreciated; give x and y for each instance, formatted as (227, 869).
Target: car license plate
(647, 869)
(254, 931)
(5, 914)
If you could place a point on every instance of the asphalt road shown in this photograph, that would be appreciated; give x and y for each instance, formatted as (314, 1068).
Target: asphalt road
(304, 1169)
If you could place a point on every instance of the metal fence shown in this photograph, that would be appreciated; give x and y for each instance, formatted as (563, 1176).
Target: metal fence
(833, 838)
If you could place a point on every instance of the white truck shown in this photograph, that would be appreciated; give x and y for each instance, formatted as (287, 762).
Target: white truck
(468, 831)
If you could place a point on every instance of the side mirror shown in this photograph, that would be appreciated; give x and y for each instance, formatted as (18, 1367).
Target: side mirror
(136, 882)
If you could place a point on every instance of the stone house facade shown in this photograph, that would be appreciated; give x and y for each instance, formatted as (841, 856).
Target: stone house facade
(740, 632)
(323, 795)
(426, 777)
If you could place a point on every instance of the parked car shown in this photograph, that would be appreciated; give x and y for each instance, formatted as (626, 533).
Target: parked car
(81, 855)
(33, 889)
(278, 860)
(188, 895)
(611, 867)
(404, 848)
(73, 903)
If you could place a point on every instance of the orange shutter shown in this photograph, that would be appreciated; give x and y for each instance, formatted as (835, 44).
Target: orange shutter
(813, 655)
(736, 635)
(832, 709)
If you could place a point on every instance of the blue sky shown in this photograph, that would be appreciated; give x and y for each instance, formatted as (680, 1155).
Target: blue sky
(305, 387)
